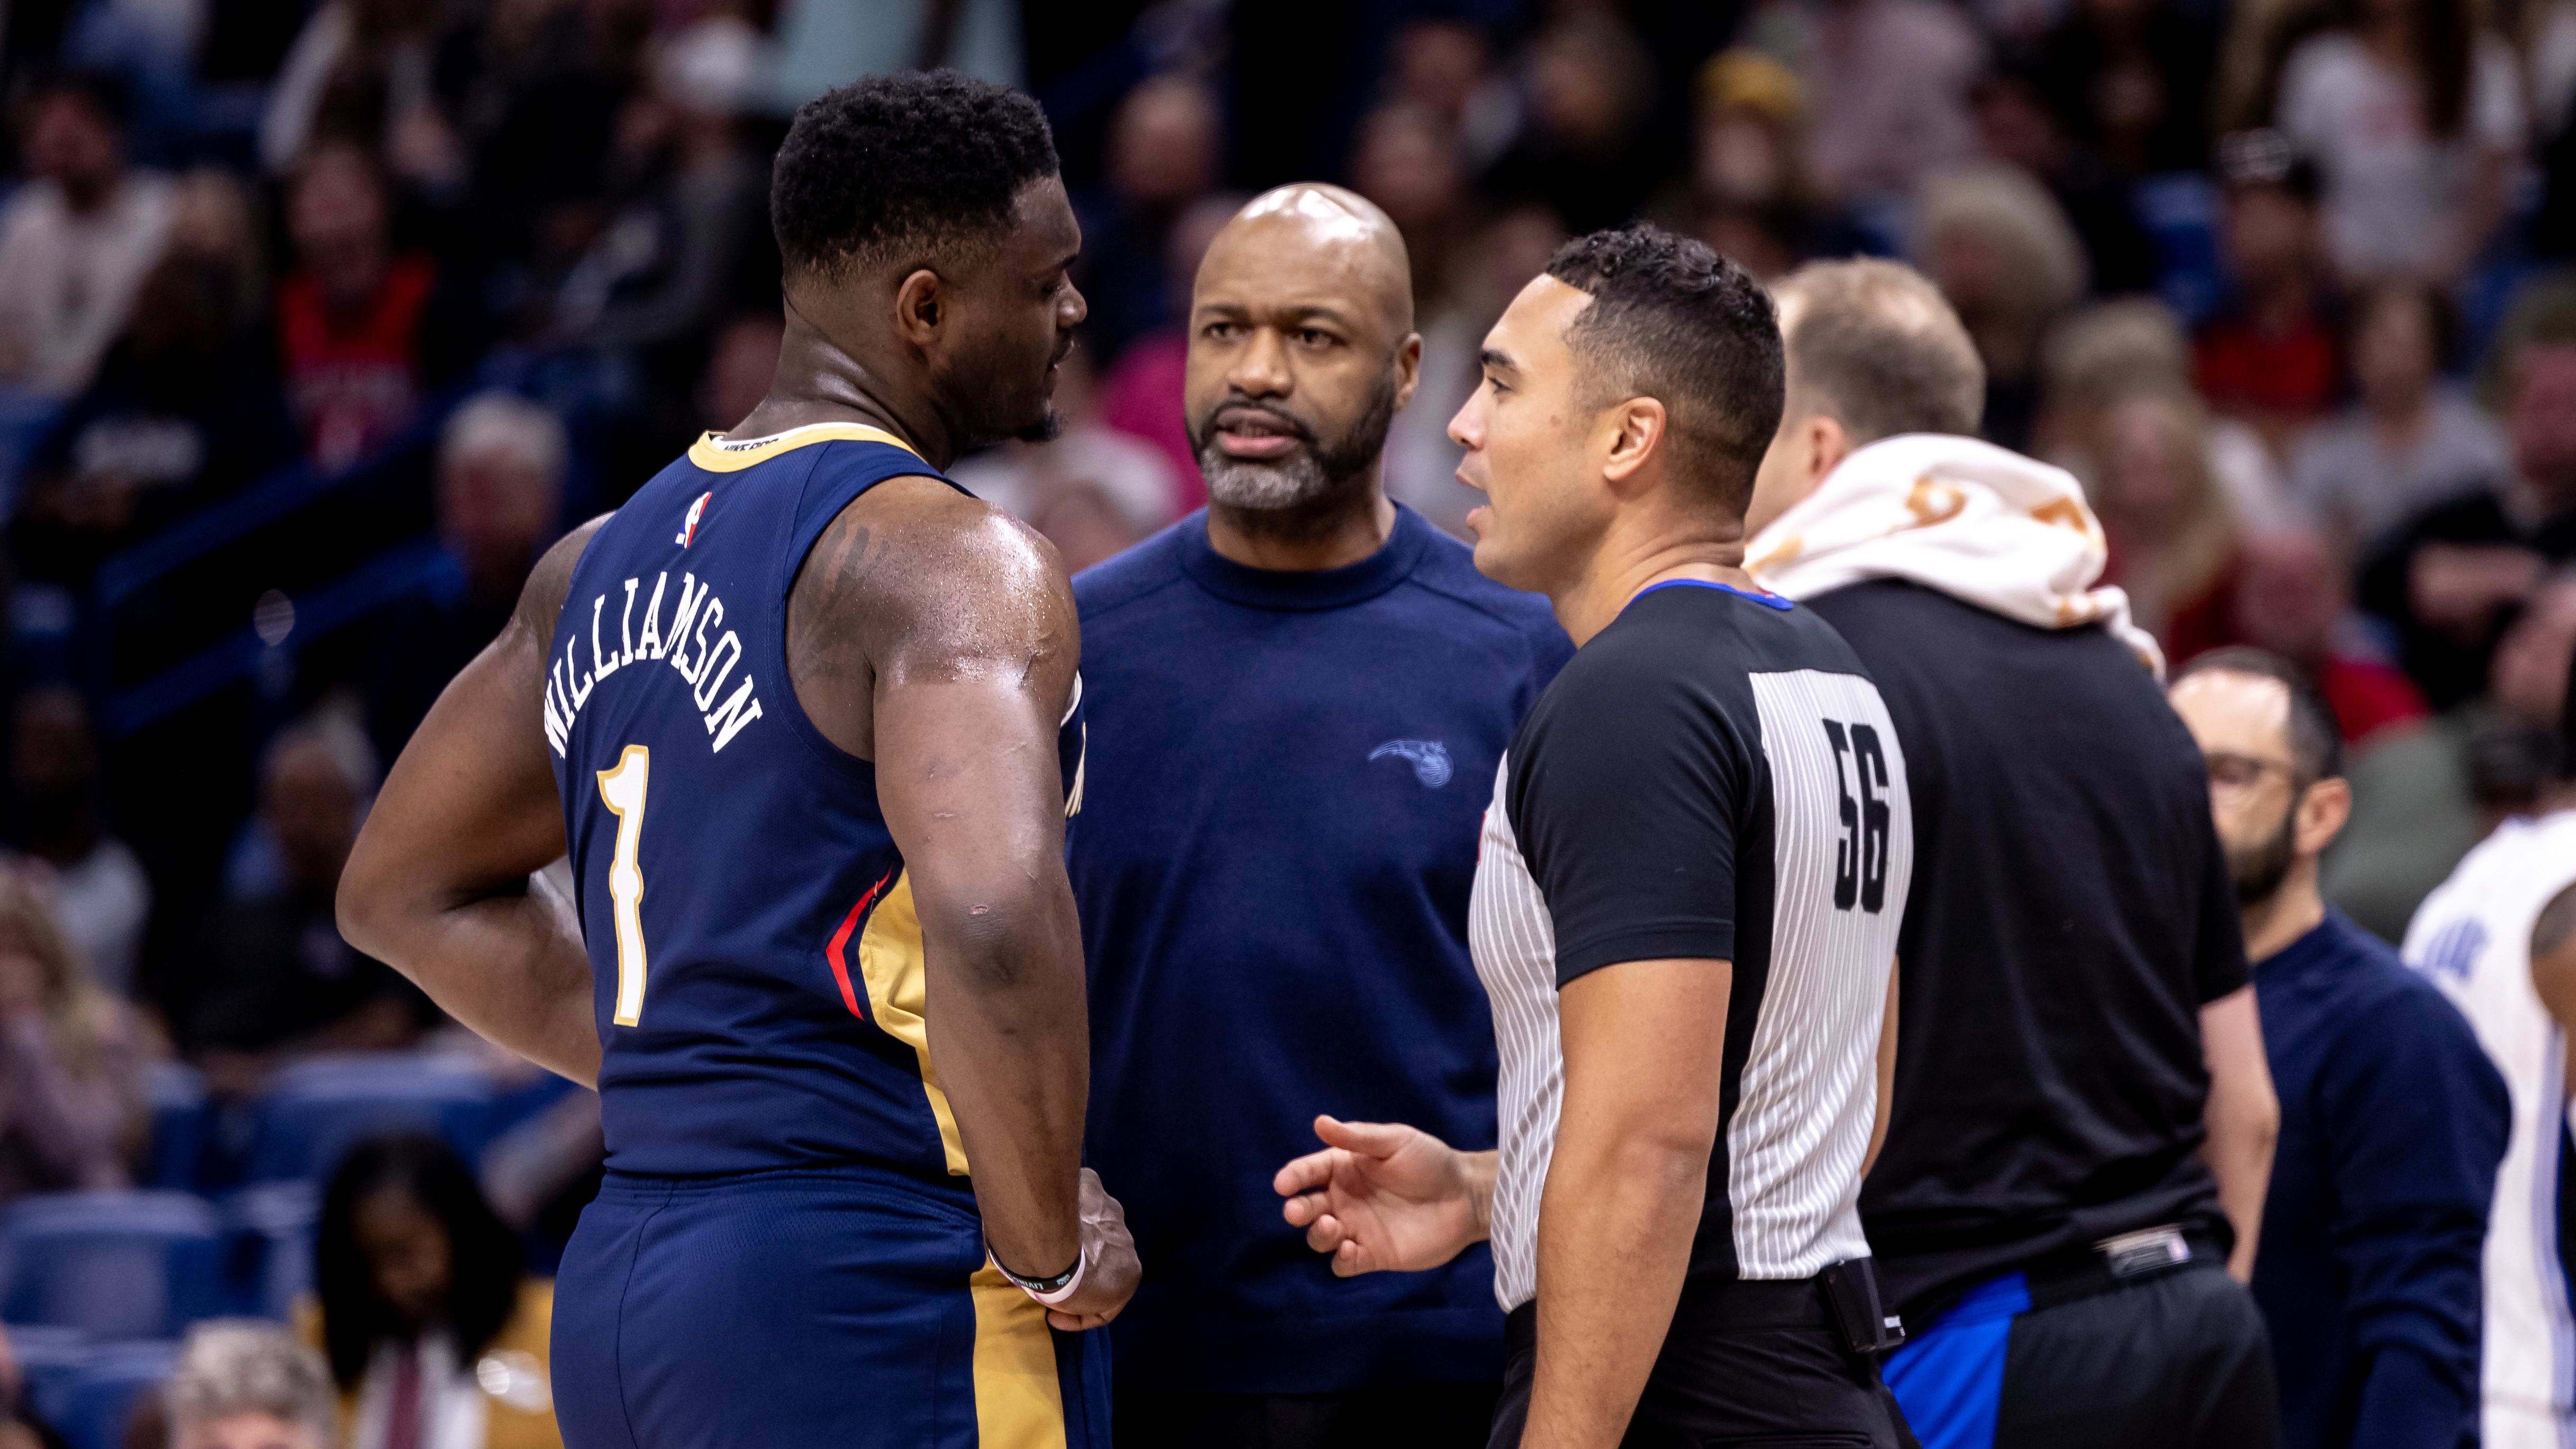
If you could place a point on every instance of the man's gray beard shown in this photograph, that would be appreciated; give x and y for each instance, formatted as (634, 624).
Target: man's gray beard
(1293, 482)
(1305, 477)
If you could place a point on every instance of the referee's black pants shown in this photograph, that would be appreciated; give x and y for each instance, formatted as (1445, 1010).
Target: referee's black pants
(2060, 1358)
(1746, 1365)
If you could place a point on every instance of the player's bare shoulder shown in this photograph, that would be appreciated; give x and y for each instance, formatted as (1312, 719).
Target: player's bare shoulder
(541, 598)
(915, 581)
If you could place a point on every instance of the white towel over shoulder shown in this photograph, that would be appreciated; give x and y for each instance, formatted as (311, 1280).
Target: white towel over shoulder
(1986, 526)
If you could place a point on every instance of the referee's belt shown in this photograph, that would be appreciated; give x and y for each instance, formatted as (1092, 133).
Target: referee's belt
(2120, 1262)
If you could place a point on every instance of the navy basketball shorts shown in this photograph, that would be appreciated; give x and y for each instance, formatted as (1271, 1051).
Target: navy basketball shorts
(840, 1308)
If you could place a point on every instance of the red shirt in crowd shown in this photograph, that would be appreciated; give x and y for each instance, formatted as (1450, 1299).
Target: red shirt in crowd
(2367, 696)
(353, 375)
(2243, 369)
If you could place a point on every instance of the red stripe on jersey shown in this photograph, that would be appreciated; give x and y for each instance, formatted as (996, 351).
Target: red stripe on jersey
(841, 938)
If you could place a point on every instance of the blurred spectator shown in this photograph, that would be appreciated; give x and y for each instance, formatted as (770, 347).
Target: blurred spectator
(538, 90)
(1142, 393)
(243, 1384)
(1590, 86)
(185, 409)
(435, 1335)
(274, 979)
(2003, 255)
(1446, 65)
(99, 893)
(501, 462)
(2102, 354)
(2422, 799)
(71, 1069)
(1749, 195)
(2393, 1121)
(361, 71)
(1421, 462)
(2528, 683)
(358, 334)
(740, 364)
(2448, 580)
(2293, 598)
(1889, 84)
(215, 213)
(825, 43)
(2411, 440)
(542, 1172)
(1093, 491)
(2017, 125)
(2131, 77)
(1163, 151)
(76, 240)
(2171, 533)
(2270, 358)
(1409, 161)
(657, 275)
(2415, 116)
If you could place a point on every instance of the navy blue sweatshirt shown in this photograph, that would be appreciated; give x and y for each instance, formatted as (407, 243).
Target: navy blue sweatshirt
(1286, 777)
(2392, 1124)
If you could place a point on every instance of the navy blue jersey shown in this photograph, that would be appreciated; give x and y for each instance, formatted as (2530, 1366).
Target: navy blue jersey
(758, 962)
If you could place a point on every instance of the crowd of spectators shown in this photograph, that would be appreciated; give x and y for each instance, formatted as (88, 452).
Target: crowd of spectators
(319, 320)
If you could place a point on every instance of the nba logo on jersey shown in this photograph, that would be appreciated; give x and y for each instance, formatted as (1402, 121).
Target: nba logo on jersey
(689, 525)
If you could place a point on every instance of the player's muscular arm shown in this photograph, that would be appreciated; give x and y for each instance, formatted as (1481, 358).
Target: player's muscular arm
(437, 886)
(937, 637)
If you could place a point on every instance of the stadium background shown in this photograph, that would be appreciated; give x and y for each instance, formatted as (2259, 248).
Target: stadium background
(319, 320)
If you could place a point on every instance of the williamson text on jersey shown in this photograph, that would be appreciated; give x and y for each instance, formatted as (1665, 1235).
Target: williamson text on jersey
(704, 667)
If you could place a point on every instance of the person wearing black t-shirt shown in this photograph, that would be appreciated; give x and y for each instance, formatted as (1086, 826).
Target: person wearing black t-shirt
(2451, 580)
(1684, 913)
(2082, 1123)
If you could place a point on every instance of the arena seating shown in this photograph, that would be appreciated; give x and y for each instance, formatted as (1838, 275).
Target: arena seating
(113, 1265)
(316, 1109)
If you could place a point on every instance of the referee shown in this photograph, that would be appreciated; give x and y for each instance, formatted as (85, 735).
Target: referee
(1685, 906)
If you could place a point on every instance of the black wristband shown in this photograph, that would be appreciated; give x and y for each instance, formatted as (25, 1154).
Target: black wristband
(1053, 1284)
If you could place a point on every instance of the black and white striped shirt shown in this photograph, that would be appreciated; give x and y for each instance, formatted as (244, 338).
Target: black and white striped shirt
(1712, 777)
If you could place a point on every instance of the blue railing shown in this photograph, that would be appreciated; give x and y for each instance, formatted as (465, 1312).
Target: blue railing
(403, 562)
(386, 578)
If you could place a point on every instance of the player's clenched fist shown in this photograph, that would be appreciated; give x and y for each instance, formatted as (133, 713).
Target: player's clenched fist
(1384, 1197)
(1109, 1251)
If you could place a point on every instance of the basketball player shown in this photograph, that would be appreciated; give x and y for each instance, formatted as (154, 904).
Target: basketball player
(2500, 938)
(807, 718)
(1685, 906)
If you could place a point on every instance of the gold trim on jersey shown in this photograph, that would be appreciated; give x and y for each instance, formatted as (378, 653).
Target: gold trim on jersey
(1019, 1403)
(718, 454)
(890, 959)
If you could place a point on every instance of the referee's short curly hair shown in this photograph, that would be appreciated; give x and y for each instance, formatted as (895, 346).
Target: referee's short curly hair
(1672, 320)
(915, 168)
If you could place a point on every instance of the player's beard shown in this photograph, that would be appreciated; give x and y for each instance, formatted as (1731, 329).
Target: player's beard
(1312, 472)
(1045, 430)
(2260, 868)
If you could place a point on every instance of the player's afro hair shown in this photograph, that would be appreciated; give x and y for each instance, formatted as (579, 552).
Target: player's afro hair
(1672, 320)
(904, 168)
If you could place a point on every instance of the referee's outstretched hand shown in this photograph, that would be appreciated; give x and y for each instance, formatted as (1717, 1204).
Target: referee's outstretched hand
(1384, 1197)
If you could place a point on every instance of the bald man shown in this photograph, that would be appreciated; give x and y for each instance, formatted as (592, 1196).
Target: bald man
(1297, 700)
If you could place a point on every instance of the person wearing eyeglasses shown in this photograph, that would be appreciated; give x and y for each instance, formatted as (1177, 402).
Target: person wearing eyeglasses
(2393, 1121)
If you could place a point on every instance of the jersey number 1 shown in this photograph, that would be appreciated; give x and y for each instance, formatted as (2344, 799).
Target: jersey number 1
(622, 790)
